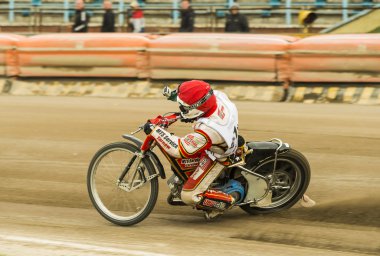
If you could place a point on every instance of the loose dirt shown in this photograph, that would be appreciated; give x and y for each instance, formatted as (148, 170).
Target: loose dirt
(46, 144)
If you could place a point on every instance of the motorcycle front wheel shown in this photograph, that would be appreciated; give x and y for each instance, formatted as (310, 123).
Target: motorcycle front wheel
(291, 180)
(127, 201)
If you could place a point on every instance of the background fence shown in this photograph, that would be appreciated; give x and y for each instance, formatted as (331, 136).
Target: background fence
(165, 13)
(236, 57)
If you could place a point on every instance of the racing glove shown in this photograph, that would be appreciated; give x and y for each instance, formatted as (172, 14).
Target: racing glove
(170, 94)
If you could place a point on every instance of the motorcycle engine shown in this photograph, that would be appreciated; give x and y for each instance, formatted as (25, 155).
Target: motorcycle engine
(233, 188)
(175, 185)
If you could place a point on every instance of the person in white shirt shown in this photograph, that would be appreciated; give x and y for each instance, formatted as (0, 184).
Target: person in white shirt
(215, 137)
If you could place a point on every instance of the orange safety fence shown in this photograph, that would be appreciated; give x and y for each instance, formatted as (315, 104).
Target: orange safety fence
(229, 57)
(8, 54)
(83, 55)
(236, 57)
(336, 58)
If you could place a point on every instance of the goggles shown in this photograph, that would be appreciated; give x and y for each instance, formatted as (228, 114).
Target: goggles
(185, 108)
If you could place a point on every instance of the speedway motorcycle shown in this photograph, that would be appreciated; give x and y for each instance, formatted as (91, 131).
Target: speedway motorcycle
(122, 179)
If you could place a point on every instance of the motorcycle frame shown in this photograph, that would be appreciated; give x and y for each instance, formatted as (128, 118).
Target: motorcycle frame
(149, 143)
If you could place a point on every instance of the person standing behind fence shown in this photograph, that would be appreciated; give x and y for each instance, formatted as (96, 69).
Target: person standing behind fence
(235, 21)
(81, 18)
(137, 18)
(108, 24)
(187, 17)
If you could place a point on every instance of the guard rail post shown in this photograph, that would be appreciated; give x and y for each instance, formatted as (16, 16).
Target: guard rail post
(11, 14)
(66, 11)
(175, 11)
(121, 14)
(344, 10)
(288, 12)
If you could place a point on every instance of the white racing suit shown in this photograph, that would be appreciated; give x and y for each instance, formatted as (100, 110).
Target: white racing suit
(214, 138)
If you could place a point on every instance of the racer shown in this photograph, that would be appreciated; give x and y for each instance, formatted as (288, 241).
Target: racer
(214, 139)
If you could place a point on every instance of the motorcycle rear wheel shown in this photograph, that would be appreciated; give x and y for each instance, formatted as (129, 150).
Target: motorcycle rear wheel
(109, 196)
(293, 171)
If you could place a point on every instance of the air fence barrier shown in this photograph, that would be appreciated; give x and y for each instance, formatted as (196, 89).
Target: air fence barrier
(231, 57)
(8, 55)
(336, 68)
(336, 58)
(83, 55)
(319, 65)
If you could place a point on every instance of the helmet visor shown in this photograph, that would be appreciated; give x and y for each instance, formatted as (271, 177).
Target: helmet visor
(187, 111)
(196, 104)
(192, 111)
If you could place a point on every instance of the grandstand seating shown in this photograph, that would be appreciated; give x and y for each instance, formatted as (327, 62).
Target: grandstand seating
(262, 14)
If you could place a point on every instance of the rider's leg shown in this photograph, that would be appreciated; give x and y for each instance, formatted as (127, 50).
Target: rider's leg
(195, 191)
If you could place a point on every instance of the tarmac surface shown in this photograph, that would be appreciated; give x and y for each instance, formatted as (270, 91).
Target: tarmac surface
(46, 144)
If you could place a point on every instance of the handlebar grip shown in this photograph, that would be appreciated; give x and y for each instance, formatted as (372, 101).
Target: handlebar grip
(165, 120)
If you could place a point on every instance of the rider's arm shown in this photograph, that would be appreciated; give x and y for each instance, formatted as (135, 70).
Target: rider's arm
(185, 147)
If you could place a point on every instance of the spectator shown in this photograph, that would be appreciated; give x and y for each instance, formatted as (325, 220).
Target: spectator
(108, 24)
(81, 18)
(137, 20)
(187, 17)
(236, 22)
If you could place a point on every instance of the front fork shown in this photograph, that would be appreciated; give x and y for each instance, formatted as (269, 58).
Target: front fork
(140, 156)
(129, 186)
(126, 169)
(148, 143)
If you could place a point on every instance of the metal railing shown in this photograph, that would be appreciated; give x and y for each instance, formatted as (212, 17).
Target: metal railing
(214, 11)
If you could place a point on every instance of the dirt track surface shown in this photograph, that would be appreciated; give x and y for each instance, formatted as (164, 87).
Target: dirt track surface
(46, 144)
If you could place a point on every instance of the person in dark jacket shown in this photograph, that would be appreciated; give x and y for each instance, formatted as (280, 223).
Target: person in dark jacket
(81, 18)
(187, 17)
(236, 22)
(108, 24)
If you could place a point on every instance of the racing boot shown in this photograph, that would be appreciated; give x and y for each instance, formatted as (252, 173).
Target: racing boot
(175, 185)
(215, 200)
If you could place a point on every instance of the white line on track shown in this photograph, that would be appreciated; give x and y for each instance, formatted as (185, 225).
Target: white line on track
(79, 246)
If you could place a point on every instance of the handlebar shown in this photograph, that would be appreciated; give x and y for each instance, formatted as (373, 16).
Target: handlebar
(164, 120)
(138, 130)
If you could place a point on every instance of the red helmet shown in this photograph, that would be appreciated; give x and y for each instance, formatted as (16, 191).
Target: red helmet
(196, 98)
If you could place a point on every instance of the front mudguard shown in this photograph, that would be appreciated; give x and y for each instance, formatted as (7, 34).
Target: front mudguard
(156, 161)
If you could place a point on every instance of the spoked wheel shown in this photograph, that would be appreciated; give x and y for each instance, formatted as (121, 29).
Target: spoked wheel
(291, 179)
(125, 201)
